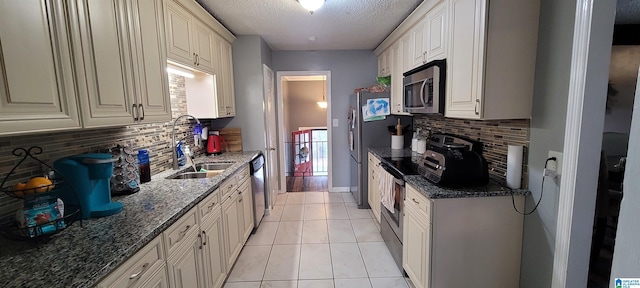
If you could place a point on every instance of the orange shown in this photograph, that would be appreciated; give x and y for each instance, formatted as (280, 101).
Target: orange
(18, 189)
(39, 185)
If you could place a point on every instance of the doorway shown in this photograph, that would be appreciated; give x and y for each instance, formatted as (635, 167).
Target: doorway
(304, 109)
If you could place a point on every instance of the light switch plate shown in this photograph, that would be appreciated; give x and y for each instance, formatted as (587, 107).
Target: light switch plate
(555, 165)
(335, 122)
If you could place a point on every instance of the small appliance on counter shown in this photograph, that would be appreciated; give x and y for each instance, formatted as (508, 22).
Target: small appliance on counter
(454, 161)
(90, 175)
(215, 142)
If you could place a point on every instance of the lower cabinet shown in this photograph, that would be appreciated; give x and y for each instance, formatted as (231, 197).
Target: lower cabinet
(185, 265)
(416, 247)
(374, 191)
(247, 209)
(139, 270)
(462, 242)
(231, 223)
(200, 247)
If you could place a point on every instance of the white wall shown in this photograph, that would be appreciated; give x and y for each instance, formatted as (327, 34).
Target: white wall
(553, 65)
(350, 69)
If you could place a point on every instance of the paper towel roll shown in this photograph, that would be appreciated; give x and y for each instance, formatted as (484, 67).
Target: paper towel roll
(514, 166)
(397, 141)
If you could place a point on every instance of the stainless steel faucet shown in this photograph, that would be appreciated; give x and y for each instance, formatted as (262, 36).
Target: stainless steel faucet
(173, 139)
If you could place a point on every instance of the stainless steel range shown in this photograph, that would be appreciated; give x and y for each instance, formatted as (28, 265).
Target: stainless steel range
(391, 221)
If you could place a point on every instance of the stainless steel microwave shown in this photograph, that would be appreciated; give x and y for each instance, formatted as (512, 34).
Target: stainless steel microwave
(424, 88)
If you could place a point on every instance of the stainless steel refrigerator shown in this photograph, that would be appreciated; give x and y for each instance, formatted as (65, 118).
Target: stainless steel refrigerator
(365, 134)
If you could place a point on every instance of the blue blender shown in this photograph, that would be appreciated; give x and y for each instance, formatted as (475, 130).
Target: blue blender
(90, 175)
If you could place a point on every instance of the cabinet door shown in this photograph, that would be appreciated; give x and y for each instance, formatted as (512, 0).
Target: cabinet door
(381, 64)
(153, 99)
(246, 198)
(416, 248)
(37, 90)
(397, 91)
(233, 243)
(204, 47)
(104, 58)
(158, 280)
(226, 79)
(419, 37)
(185, 267)
(466, 59)
(437, 34)
(179, 38)
(213, 250)
(374, 191)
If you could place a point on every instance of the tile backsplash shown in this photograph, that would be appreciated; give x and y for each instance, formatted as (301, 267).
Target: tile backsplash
(496, 135)
(154, 137)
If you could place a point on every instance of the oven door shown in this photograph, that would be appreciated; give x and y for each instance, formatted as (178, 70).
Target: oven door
(394, 218)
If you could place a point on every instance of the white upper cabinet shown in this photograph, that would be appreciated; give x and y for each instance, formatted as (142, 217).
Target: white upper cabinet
(490, 69)
(153, 85)
(397, 96)
(225, 89)
(37, 90)
(122, 59)
(435, 45)
(189, 40)
(179, 38)
(419, 38)
(385, 61)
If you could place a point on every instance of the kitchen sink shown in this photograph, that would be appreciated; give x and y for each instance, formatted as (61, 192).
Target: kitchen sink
(212, 169)
(213, 166)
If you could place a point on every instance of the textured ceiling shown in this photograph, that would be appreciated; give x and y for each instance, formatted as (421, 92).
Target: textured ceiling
(628, 12)
(337, 25)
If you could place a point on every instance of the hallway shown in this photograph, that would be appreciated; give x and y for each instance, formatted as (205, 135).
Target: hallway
(316, 240)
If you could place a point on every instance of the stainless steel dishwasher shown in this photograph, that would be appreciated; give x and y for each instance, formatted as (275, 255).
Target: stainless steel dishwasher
(257, 186)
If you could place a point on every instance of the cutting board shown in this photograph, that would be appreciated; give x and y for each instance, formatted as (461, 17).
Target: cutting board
(233, 138)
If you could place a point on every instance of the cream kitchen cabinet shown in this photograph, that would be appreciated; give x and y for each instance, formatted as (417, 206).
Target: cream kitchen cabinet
(245, 198)
(37, 84)
(189, 41)
(490, 70)
(146, 268)
(231, 222)
(214, 261)
(428, 37)
(226, 95)
(385, 61)
(185, 267)
(374, 191)
(397, 86)
(478, 237)
(121, 61)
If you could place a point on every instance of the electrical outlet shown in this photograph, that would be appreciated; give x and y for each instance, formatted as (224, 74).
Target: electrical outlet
(555, 166)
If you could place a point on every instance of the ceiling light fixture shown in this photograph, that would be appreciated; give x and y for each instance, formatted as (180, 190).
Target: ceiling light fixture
(311, 5)
(323, 103)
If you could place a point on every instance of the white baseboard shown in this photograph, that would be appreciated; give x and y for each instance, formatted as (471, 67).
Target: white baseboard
(340, 189)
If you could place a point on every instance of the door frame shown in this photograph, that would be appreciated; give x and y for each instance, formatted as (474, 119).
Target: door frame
(593, 32)
(280, 121)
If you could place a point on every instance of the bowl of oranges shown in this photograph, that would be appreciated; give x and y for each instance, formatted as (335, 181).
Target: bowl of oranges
(34, 186)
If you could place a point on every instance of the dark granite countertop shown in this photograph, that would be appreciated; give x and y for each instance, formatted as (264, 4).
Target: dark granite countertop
(433, 191)
(82, 255)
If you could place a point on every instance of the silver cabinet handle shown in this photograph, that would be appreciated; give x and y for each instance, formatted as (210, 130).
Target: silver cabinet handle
(195, 59)
(141, 109)
(211, 206)
(136, 275)
(135, 112)
(182, 233)
(414, 200)
(204, 238)
(200, 239)
(476, 107)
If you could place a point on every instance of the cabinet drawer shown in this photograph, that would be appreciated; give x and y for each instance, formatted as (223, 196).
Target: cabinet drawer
(242, 175)
(179, 231)
(140, 267)
(418, 202)
(227, 187)
(208, 205)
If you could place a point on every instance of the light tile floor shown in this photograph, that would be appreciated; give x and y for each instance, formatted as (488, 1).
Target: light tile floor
(316, 240)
